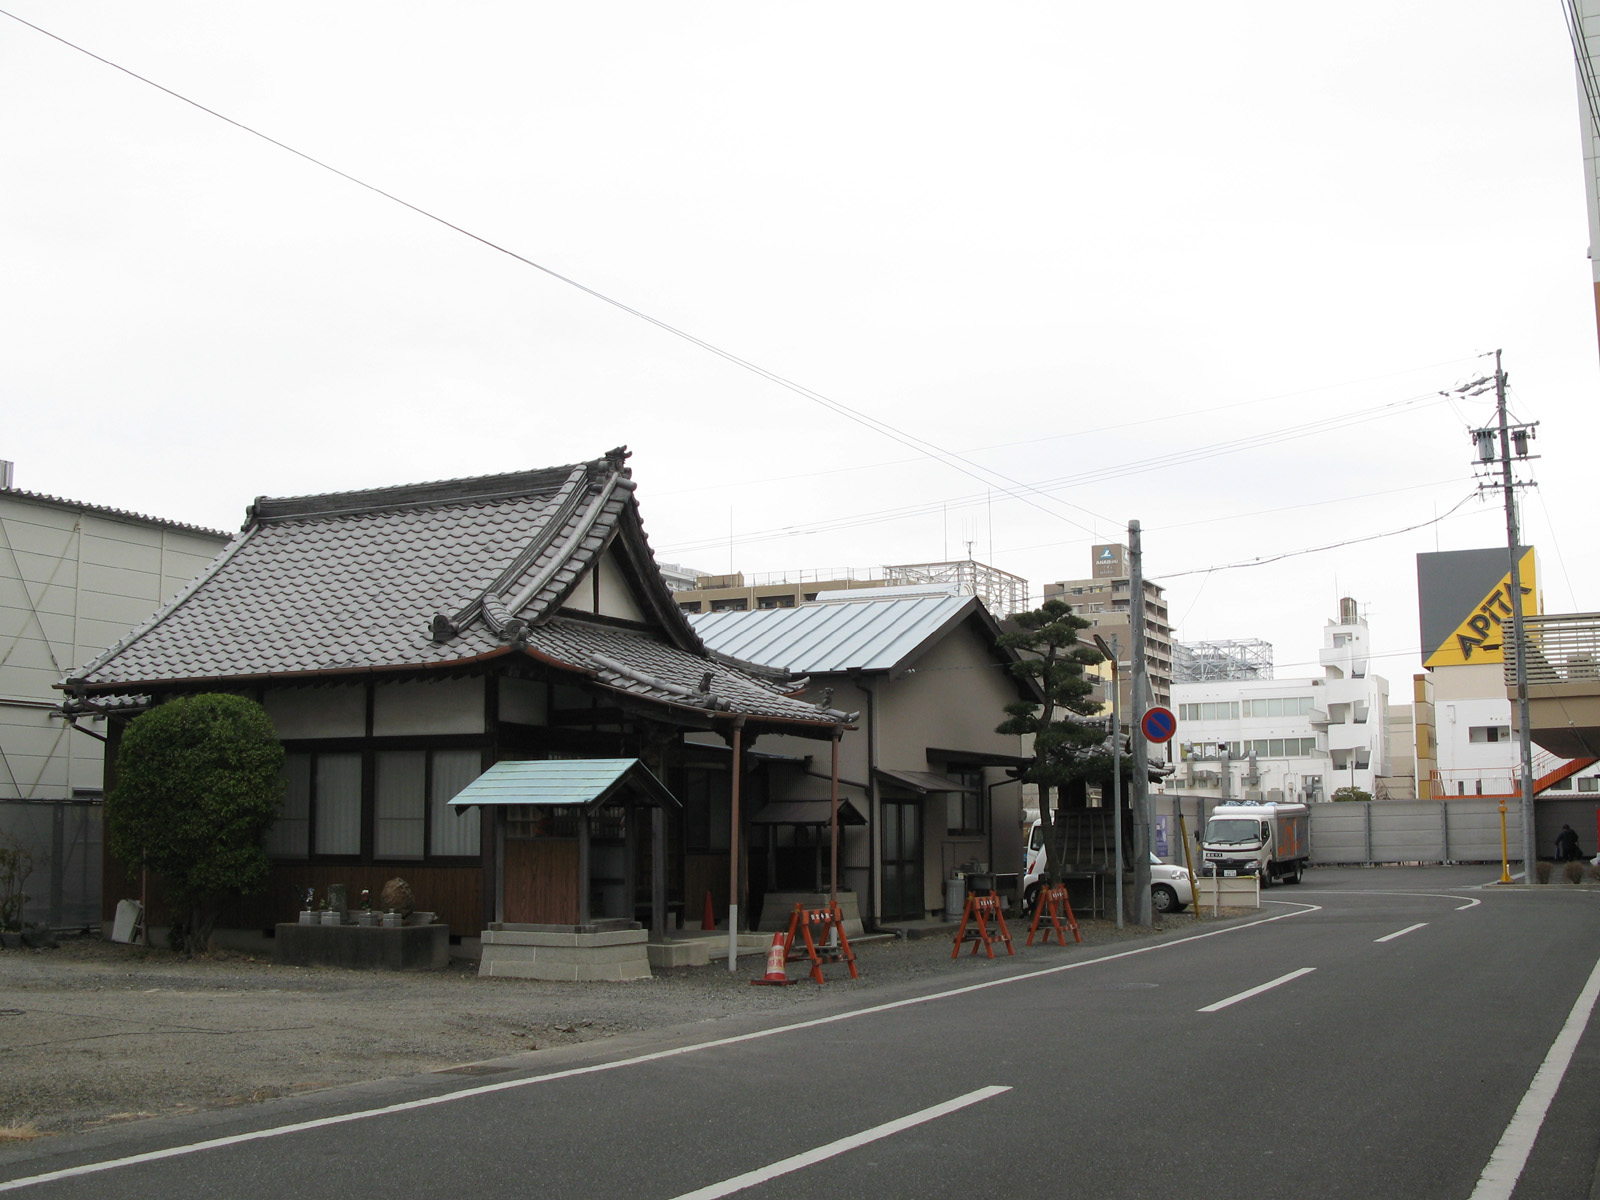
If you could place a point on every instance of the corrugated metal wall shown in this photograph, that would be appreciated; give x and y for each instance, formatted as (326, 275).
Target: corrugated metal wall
(1459, 829)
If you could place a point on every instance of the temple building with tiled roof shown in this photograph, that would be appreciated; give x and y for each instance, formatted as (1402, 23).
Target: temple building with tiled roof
(405, 639)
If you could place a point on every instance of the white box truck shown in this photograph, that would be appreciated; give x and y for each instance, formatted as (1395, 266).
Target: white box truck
(1248, 838)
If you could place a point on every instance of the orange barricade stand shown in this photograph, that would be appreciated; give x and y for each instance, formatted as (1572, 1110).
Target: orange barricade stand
(981, 910)
(1055, 900)
(813, 924)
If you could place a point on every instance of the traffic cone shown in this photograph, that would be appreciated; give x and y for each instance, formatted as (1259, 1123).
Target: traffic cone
(709, 920)
(777, 975)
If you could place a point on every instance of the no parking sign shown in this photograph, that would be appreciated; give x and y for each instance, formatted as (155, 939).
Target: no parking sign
(1158, 724)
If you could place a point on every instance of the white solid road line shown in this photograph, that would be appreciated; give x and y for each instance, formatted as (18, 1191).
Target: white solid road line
(1499, 1178)
(833, 1149)
(1389, 937)
(1256, 991)
(1470, 902)
(620, 1063)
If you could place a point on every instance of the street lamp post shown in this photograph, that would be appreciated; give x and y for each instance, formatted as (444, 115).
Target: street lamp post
(1116, 758)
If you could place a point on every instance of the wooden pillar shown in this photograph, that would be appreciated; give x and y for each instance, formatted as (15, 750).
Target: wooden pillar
(658, 874)
(833, 822)
(491, 861)
(772, 858)
(583, 868)
(630, 850)
(733, 844)
(496, 870)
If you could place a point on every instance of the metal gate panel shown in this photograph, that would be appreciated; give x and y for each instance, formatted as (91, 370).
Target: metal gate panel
(1406, 831)
(1339, 832)
(1475, 829)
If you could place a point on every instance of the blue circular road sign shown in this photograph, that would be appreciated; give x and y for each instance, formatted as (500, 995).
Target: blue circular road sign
(1159, 724)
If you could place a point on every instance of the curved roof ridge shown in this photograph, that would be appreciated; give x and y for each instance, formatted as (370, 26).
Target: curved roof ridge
(267, 509)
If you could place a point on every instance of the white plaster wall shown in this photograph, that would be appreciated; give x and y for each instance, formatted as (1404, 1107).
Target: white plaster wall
(581, 597)
(317, 712)
(616, 595)
(428, 707)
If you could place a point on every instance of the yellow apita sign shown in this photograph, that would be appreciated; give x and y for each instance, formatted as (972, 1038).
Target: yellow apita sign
(1481, 635)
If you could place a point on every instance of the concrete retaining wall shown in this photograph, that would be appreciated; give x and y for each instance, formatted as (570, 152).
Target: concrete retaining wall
(568, 952)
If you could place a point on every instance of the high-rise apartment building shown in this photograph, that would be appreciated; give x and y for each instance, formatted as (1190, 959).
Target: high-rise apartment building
(1105, 600)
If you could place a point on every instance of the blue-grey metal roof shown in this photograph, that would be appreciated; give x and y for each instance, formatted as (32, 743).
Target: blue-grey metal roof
(561, 782)
(844, 635)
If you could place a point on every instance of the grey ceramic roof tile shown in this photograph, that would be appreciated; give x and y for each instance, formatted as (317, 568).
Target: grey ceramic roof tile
(351, 581)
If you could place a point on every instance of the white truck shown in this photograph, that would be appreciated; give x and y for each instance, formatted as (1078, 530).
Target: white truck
(1247, 838)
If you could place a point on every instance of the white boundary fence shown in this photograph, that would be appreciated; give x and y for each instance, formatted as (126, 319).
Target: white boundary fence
(1456, 829)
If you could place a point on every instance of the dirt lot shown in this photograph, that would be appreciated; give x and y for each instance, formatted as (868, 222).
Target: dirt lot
(94, 1033)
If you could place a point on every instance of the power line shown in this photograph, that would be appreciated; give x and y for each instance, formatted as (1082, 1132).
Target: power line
(1094, 431)
(1097, 475)
(985, 475)
(1263, 561)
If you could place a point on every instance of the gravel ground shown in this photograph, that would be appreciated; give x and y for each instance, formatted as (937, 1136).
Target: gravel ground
(93, 1033)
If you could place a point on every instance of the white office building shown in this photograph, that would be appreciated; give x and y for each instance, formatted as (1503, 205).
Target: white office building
(1287, 739)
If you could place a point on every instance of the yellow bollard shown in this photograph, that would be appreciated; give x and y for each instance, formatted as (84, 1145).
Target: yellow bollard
(1505, 860)
(1188, 861)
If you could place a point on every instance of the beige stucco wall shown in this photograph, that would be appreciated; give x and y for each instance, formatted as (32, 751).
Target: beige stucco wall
(72, 583)
(952, 699)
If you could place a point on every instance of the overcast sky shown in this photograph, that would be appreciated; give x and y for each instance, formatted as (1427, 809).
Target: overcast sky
(1207, 266)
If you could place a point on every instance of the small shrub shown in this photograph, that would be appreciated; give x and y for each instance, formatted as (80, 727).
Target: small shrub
(197, 787)
(1574, 872)
(1542, 872)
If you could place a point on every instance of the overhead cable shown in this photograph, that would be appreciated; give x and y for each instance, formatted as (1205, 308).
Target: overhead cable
(985, 475)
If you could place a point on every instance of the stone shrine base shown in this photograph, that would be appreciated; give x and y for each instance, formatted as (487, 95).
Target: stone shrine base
(611, 949)
(362, 947)
(778, 907)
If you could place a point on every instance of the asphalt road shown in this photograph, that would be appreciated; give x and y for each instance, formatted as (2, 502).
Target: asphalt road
(1366, 1068)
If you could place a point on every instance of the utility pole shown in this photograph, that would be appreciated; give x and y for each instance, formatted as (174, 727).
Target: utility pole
(1530, 855)
(1140, 792)
(1509, 435)
(1112, 653)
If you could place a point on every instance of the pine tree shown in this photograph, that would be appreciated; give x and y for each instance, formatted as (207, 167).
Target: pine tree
(1066, 748)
